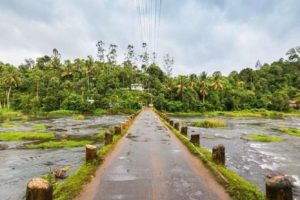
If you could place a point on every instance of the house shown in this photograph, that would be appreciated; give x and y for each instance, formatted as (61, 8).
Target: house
(137, 86)
(293, 104)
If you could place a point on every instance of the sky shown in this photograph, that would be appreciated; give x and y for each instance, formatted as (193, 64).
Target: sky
(201, 35)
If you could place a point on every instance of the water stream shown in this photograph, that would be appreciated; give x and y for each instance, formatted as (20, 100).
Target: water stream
(254, 160)
(18, 166)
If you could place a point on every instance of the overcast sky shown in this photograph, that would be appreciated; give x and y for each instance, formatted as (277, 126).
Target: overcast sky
(210, 35)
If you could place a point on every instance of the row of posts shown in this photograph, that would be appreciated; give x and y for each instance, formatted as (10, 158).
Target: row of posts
(41, 189)
(277, 187)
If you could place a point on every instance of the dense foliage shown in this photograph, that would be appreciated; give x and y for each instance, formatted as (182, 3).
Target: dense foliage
(84, 85)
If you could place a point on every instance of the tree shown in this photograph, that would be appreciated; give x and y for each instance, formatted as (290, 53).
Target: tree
(203, 86)
(10, 78)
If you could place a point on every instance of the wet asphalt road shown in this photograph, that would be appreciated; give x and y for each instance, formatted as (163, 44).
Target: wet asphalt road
(150, 163)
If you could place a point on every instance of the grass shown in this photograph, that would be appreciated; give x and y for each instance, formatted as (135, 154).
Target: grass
(27, 135)
(291, 131)
(210, 123)
(78, 117)
(258, 113)
(39, 127)
(263, 138)
(59, 144)
(237, 187)
(61, 113)
(72, 186)
(100, 136)
(8, 125)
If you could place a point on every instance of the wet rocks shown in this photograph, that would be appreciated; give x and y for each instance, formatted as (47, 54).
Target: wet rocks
(3, 147)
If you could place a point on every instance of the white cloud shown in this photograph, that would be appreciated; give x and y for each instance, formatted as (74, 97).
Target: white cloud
(201, 35)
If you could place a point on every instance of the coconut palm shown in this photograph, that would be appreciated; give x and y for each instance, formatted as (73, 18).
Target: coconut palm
(10, 78)
(181, 87)
(203, 86)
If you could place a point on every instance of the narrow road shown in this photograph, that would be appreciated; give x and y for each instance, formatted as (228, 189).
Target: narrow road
(151, 163)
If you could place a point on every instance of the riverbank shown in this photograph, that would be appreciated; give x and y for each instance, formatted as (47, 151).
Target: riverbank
(258, 113)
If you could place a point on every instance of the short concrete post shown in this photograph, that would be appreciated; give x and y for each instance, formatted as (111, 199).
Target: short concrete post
(218, 154)
(279, 188)
(118, 130)
(195, 139)
(108, 138)
(123, 125)
(90, 153)
(176, 126)
(39, 189)
(184, 130)
(171, 122)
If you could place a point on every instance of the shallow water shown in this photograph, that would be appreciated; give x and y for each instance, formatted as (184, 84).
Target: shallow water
(254, 160)
(18, 166)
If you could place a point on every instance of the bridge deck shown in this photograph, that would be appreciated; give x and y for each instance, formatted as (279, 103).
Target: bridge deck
(151, 163)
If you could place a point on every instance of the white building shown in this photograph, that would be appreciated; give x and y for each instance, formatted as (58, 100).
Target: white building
(137, 86)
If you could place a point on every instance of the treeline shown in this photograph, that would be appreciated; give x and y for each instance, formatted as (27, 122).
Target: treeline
(85, 85)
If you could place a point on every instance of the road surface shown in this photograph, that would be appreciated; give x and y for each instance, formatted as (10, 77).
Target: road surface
(151, 163)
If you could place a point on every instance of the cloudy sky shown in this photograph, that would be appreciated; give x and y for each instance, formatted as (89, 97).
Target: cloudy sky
(208, 35)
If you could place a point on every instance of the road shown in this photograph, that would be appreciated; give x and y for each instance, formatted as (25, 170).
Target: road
(151, 163)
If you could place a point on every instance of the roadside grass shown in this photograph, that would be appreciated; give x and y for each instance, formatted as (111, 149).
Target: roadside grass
(59, 144)
(291, 131)
(257, 113)
(73, 185)
(210, 123)
(100, 136)
(39, 127)
(263, 138)
(237, 187)
(27, 135)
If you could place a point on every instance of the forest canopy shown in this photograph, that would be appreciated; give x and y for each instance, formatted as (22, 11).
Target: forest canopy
(49, 83)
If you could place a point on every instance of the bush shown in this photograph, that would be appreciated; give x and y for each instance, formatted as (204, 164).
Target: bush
(73, 102)
(211, 123)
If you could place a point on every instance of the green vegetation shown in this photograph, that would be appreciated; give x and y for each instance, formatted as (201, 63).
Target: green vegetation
(210, 123)
(8, 125)
(48, 84)
(39, 127)
(78, 117)
(15, 136)
(60, 113)
(258, 113)
(59, 144)
(100, 136)
(263, 138)
(291, 131)
(236, 186)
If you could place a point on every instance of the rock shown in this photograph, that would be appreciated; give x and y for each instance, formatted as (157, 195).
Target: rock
(3, 147)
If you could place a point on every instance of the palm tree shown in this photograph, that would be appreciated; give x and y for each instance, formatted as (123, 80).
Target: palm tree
(181, 87)
(203, 86)
(217, 84)
(11, 79)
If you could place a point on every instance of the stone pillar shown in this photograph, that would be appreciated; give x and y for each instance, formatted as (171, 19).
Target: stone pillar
(108, 138)
(123, 125)
(184, 130)
(195, 139)
(39, 189)
(171, 122)
(218, 154)
(90, 153)
(176, 126)
(279, 188)
(118, 130)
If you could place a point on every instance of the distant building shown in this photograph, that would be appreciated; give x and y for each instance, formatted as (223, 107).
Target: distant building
(137, 86)
(293, 104)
